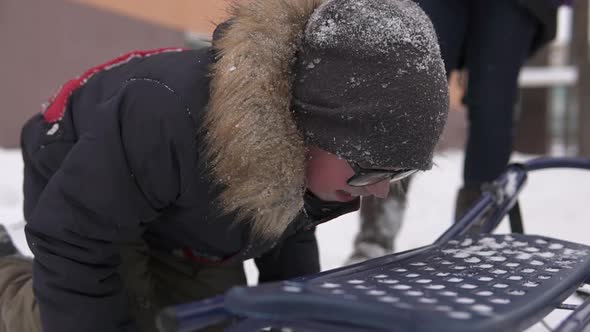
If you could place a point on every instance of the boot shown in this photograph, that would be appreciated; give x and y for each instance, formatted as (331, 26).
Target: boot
(381, 220)
(7, 248)
(466, 199)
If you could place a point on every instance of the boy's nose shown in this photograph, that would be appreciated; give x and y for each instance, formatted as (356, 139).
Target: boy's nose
(379, 189)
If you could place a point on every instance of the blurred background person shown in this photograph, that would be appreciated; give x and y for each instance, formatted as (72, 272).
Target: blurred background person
(490, 40)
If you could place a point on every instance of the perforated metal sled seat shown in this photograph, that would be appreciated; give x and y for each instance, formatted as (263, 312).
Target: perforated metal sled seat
(489, 283)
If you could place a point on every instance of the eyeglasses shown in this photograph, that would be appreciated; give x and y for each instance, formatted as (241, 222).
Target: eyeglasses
(367, 176)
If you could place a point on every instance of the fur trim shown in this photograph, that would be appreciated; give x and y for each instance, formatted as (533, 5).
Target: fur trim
(257, 153)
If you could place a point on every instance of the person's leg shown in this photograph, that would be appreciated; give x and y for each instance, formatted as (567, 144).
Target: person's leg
(178, 280)
(154, 280)
(18, 309)
(381, 219)
(138, 284)
(499, 41)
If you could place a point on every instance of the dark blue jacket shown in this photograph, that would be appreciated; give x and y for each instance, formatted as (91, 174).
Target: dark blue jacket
(117, 156)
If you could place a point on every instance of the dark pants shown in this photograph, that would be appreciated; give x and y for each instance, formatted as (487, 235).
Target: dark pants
(492, 40)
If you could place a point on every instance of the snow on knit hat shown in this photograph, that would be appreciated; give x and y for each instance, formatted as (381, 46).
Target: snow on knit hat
(370, 84)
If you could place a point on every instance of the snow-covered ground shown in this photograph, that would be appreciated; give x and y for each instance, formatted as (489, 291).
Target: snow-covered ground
(555, 203)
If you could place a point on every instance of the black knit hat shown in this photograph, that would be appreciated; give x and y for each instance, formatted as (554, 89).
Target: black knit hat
(370, 83)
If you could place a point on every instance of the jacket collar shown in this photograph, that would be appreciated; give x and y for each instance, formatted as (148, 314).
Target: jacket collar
(256, 152)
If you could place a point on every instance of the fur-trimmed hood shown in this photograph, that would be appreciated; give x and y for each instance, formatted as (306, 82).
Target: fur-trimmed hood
(256, 151)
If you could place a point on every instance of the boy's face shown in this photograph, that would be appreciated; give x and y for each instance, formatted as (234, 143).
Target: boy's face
(327, 174)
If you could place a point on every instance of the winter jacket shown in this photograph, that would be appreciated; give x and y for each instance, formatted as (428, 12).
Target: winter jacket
(546, 13)
(193, 151)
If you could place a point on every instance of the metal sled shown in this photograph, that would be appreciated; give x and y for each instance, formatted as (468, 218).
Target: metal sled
(467, 280)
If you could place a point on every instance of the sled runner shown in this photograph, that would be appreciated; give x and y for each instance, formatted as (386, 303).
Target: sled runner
(467, 280)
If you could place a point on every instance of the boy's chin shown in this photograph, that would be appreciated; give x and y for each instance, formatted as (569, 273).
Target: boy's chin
(335, 196)
(343, 196)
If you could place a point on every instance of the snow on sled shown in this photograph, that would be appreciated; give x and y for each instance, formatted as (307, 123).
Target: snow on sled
(467, 280)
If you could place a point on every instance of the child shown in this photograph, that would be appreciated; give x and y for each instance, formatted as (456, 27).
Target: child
(151, 178)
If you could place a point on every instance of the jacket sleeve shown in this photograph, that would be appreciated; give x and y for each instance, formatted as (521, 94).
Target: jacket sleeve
(296, 256)
(121, 173)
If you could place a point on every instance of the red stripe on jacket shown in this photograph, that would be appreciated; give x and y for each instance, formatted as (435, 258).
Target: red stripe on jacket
(57, 105)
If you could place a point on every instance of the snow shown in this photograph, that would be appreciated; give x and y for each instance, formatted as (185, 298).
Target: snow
(554, 203)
